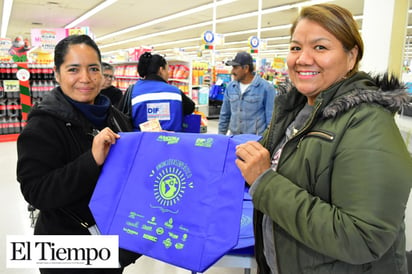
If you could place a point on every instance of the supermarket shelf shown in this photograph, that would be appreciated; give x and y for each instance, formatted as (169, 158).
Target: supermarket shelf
(8, 137)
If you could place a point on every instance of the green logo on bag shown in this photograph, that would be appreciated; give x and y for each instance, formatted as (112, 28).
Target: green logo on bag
(168, 139)
(204, 142)
(171, 182)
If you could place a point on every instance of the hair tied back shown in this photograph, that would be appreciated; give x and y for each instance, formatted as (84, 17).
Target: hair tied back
(147, 55)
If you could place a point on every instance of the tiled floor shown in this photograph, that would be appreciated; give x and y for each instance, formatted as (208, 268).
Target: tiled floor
(15, 221)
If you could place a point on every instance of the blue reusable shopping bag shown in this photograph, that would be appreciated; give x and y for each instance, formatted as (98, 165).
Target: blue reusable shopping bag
(191, 123)
(246, 241)
(175, 197)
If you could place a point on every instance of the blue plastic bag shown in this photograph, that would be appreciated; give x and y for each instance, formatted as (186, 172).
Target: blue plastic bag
(175, 197)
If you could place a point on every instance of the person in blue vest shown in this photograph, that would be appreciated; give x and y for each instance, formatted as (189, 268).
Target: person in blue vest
(153, 98)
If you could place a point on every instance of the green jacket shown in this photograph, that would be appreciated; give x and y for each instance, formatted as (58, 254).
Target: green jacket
(339, 194)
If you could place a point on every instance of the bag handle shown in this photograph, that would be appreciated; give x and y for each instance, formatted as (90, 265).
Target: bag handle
(125, 104)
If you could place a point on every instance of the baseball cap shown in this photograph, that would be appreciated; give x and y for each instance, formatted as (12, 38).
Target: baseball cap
(241, 58)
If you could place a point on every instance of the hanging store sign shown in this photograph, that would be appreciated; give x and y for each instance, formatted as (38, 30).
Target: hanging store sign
(208, 37)
(253, 42)
(78, 31)
(46, 39)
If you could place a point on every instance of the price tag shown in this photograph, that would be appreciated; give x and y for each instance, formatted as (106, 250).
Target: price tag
(11, 85)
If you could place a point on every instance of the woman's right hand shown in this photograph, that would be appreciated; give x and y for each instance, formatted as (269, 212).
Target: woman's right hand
(253, 160)
(102, 143)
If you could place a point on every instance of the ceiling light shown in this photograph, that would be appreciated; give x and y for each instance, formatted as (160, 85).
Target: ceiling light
(176, 42)
(90, 13)
(226, 19)
(7, 5)
(156, 34)
(165, 19)
(278, 38)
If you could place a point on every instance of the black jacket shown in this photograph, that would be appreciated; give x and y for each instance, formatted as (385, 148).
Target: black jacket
(114, 94)
(55, 168)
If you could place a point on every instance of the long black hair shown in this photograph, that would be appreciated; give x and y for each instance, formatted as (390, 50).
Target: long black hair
(62, 48)
(150, 64)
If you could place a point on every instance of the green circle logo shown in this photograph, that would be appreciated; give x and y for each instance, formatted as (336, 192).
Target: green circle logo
(170, 182)
(169, 186)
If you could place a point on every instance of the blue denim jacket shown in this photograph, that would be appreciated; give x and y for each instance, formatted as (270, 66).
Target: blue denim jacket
(247, 113)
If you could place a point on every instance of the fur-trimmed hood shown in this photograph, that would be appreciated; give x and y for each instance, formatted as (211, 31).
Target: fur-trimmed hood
(388, 92)
(384, 90)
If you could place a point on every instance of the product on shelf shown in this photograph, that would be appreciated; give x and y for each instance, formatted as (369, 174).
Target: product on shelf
(126, 74)
(200, 74)
(41, 81)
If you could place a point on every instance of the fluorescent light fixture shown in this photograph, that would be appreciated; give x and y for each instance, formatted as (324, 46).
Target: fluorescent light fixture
(7, 5)
(231, 50)
(288, 26)
(90, 13)
(237, 17)
(278, 38)
(280, 46)
(165, 19)
(311, 2)
(176, 42)
(233, 34)
(156, 34)
(226, 19)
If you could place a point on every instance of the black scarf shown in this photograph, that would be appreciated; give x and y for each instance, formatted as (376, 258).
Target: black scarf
(96, 113)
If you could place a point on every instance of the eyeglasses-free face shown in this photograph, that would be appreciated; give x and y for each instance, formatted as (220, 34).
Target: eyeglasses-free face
(317, 59)
(80, 75)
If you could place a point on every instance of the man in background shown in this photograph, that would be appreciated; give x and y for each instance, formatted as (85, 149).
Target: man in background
(108, 89)
(248, 99)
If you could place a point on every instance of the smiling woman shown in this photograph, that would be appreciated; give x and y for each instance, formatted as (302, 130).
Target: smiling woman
(324, 170)
(79, 72)
(64, 144)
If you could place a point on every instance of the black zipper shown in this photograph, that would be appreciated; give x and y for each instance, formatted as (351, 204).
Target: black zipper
(69, 127)
(69, 212)
(76, 218)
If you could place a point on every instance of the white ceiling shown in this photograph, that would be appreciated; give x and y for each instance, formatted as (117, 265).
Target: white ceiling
(28, 14)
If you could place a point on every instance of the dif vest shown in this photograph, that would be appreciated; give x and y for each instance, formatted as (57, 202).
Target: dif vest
(153, 99)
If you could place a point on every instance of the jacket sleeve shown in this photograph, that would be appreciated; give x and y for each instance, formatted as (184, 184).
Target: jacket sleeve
(370, 180)
(225, 113)
(50, 175)
(188, 104)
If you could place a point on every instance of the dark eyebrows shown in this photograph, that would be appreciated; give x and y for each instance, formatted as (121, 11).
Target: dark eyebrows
(312, 41)
(78, 65)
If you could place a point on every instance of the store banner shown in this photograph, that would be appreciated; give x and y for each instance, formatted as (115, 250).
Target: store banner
(175, 197)
(5, 45)
(46, 39)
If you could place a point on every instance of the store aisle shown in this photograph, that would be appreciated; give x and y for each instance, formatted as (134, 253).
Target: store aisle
(15, 221)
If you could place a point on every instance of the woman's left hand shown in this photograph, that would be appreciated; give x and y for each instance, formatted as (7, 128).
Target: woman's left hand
(101, 144)
(253, 160)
